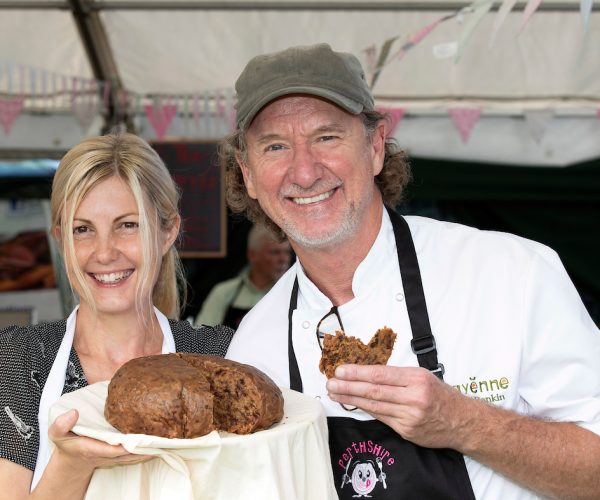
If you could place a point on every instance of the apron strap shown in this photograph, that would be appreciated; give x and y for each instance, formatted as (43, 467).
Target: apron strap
(295, 378)
(423, 342)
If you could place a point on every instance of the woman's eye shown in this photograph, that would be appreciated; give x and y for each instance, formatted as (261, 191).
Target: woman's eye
(80, 230)
(130, 225)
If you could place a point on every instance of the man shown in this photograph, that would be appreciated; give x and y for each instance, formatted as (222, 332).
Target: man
(230, 300)
(493, 386)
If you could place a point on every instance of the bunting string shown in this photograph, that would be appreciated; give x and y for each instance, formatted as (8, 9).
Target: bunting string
(210, 112)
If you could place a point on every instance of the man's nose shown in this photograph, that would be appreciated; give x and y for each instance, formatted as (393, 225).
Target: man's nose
(306, 167)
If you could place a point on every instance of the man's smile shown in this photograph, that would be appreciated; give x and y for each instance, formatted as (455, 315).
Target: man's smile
(313, 199)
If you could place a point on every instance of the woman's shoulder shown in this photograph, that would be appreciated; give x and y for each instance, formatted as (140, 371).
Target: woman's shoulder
(41, 340)
(203, 339)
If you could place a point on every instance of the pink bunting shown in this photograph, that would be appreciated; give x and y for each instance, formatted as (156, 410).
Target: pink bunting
(10, 109)
(464, 120)
(394, 115)
(160, 117)
(417, 37)
(530, 8)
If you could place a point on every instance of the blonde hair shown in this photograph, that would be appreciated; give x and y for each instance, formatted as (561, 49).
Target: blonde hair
(133, 160)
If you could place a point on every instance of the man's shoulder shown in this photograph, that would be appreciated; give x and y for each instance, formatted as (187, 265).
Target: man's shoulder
(427, 231)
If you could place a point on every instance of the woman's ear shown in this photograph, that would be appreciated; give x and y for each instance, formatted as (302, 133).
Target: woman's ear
(170, 234)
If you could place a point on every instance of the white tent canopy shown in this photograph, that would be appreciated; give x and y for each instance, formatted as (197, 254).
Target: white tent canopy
(538, 90)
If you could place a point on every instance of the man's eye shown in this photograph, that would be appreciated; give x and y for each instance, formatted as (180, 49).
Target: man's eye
(325, 138)
(274, 147)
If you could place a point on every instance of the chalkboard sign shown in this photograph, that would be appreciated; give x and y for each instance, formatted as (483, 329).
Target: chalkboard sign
(195, 168)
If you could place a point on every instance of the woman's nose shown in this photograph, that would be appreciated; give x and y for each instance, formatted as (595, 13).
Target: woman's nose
(106, 249)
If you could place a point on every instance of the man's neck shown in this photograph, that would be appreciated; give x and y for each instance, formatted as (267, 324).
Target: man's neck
(332, 269)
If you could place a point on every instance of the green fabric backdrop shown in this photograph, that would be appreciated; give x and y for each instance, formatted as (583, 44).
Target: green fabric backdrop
(559, 207)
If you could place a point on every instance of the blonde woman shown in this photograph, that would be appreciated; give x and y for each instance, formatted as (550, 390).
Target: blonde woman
(115, 217)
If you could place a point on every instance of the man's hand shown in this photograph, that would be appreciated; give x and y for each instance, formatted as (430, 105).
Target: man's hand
(556, 459)
(412, 401)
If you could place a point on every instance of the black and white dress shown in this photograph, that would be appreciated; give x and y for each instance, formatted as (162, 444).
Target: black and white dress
(26, 357)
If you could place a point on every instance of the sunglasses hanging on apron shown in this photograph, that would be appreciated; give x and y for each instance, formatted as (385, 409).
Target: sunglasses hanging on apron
(369, 459)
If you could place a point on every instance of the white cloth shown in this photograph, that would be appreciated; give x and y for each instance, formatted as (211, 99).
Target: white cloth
(288, 461)
(56, 381)
(509, 325)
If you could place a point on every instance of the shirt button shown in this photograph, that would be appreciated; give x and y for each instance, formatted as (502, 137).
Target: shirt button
(305, 324)
(399, 297)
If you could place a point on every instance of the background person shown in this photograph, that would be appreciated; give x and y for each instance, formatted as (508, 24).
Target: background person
(493, 387)
(229, 301)
(114, 215)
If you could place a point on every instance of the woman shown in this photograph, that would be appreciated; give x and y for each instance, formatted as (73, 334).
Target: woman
(115, 218)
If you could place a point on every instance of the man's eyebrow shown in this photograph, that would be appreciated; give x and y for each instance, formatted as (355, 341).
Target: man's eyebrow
(268, 138)
(326, 128)
(331, 127)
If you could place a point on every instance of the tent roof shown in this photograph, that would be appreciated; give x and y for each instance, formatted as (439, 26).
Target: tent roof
(193, 47)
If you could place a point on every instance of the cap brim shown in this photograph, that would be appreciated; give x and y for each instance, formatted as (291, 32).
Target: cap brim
(350, 105)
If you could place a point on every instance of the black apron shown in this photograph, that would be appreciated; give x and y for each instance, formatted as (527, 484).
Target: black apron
(234, 315)
(370, 459)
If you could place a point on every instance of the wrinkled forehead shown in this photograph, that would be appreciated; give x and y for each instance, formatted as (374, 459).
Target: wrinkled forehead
(296, 107)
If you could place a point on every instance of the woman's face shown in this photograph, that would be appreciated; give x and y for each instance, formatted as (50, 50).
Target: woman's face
(108, 249)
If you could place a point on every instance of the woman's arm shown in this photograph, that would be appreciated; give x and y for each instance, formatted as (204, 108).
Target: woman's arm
(70, 468)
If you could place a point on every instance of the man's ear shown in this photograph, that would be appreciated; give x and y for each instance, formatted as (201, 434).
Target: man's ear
(170, 234)
(378, 146)
(247, 174)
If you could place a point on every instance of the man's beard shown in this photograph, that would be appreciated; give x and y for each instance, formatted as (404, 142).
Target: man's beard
(348, 227)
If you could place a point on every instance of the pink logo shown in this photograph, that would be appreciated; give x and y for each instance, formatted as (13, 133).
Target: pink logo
(362, 463)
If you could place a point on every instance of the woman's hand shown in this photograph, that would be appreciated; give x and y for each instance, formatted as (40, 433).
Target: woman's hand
(85, 452)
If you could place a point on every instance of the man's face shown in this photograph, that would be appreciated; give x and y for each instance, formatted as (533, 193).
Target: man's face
(312, 168)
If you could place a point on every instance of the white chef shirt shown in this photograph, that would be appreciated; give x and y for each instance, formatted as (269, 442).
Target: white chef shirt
(509, 326)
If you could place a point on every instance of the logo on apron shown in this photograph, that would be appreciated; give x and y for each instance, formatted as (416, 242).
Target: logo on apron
(363, 463)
